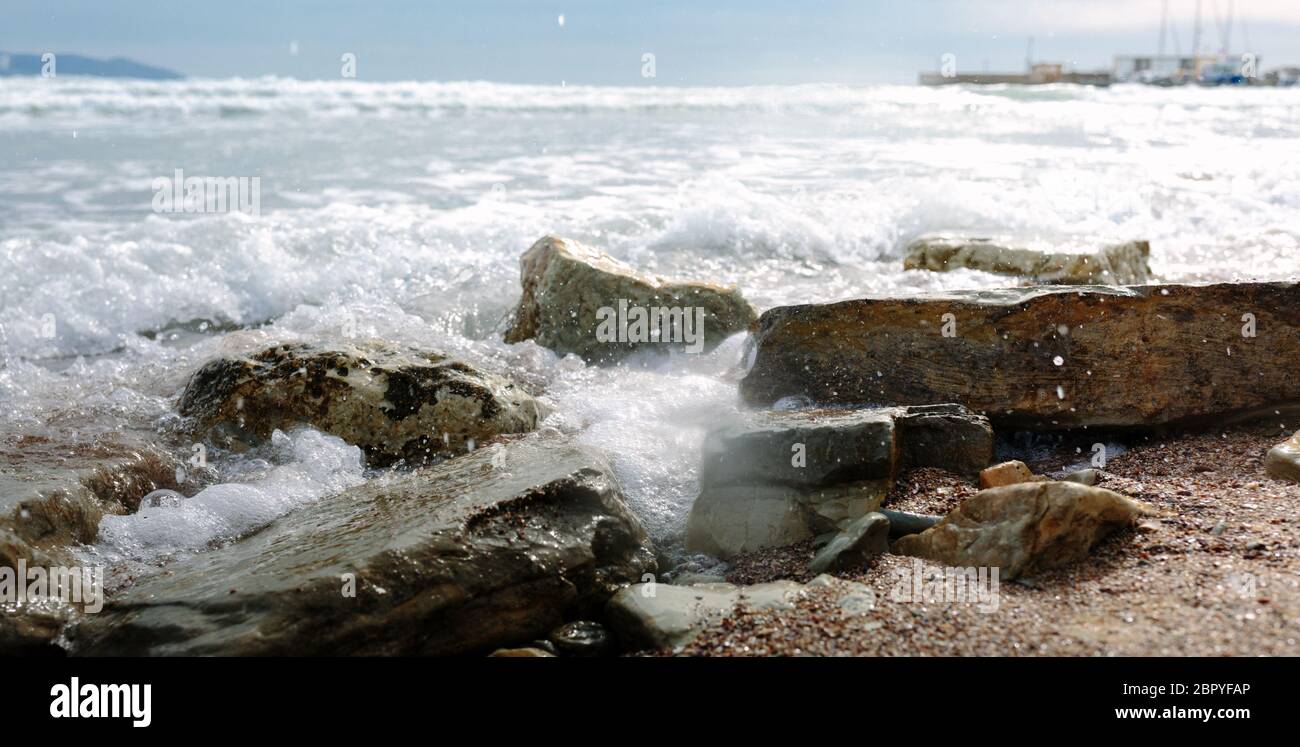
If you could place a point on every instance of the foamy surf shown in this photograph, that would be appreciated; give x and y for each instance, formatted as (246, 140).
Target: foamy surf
(294, 469)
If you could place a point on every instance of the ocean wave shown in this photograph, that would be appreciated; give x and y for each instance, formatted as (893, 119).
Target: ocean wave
(37, 101)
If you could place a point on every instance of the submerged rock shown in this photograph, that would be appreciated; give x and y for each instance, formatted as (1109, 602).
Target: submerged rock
(1043, 358)
(395, 403)
(580, 300)
(1283, 460)
(1024, 528)
(664, 616)
(1066, 263)
(776, 477)
(857, 543)
(490, 549)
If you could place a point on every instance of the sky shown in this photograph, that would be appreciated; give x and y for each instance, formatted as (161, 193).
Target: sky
(694, 42)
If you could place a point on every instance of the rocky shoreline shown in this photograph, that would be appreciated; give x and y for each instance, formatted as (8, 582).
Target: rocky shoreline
(1216, 575)
(864, 451)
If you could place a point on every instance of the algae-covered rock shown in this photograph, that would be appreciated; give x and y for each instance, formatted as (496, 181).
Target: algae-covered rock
(395, 403)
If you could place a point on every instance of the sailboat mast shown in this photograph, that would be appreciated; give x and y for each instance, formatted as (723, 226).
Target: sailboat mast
(1164, 21)
(1196, 34)
(1227, 30)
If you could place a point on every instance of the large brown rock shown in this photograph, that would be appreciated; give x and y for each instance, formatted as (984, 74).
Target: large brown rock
(775, 477)
(566, 285)
(1043, 358)
(1024, 528)
(489, 549)
(1038, 261)
(395, 403)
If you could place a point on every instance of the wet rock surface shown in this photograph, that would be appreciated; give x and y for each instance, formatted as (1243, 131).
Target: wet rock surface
(1024, 527)
(863, 538)
(53, 494)
(58, 479)
(397, 404)
(490, 549)
(566, 283)
(1036, 261)
(582, 638)
(32, 628)
(777, 477)
(1043, 358)
(948, 437)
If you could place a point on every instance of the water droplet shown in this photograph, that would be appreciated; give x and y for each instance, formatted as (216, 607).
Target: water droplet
(1058, 360)
(162, 498)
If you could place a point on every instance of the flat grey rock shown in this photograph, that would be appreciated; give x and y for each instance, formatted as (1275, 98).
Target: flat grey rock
(487, 550)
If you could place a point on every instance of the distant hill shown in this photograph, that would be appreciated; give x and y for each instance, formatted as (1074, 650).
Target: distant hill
(15, 63)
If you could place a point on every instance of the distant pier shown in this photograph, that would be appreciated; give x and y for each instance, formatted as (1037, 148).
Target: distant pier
(1038, 74)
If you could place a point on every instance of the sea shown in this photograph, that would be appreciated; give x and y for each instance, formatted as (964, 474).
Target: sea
(400, 211)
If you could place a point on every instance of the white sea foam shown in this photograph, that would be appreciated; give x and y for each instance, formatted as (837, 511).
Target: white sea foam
(311, 464)
(650, 417)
